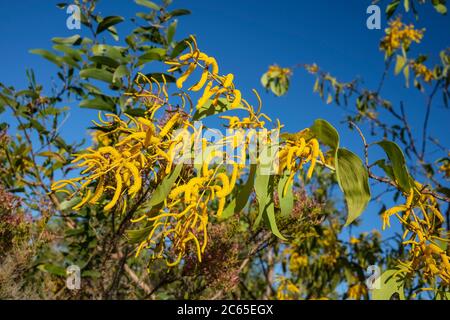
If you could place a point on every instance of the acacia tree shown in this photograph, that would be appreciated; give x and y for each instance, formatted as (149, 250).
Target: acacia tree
(156, 208)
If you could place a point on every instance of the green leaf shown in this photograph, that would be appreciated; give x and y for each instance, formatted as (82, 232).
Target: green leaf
(106, 61)
(75, 54)
(171, 31)
(265, 80)
(50, 56)
(53, 269)
(208, 109)
(139, 235)
(136, 112)
(50, 154)
(262, 191)
(69, 204)
(91, 274)
(279, 86)
(386, 168)
(108, 22)
(399, 64)
(406, 5)
(98, 74)
(270, 216)
(179, 12)
(69, 40)
(406, 74)
(389, 285)
(158, 76)
(151, 55)
(390, 9)
(326, 133)
(148, 4)
(441, 8)
(100, 102)
(163, 189)
(264, 195)
(120, 72)
(113, 52)
(397, 159)
(353, 180)
(286, 200)
(180, 47)
(240, 201)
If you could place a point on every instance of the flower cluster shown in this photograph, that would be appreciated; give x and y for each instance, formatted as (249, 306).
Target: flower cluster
(399, 35)
(422, 71)
(445, 166)
(131, 155)
(286, 289)
(300, 148)
(422, 221)
(357, 291)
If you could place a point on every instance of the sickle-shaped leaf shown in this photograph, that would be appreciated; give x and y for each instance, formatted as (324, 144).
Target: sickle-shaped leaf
(397, 159)
(50, 56)
(108, 22)
(163, 189)
(326, 133)
(99, 74)
(262, 193)
(286, 200)
(390, 284)
(240, 201)
(270, 216)
(353, 180)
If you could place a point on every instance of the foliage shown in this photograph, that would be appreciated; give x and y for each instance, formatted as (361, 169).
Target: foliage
(154, 208)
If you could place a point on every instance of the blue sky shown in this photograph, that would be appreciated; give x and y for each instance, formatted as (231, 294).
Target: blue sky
(245, 37)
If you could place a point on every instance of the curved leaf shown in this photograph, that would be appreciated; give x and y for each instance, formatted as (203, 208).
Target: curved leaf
(98, 74)
(326, 133)
(108, 22)
(398, 163)
(353, 180)
(390, 284)
(240, 201)
(286, 200)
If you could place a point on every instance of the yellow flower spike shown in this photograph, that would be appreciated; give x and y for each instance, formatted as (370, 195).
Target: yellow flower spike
(169, 125)
(197, 244)
(171, 157)
(62, 183)
(437, 213)
(228, 80)
(98, 191)
(315, 152)
(207, 93)
(215, 67)
(220, 206)
(83, 201)
(185, 75)
(117, 193)
(301, 147)
(136, 177)
(288, 183)
(139, 136)
(290, 153)
(237, 99)
(410, 198)
(110, 150)
(178, 191)
(234, 175)
(225, 185)
(145, 122)
(176, 262)
(201, 82)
